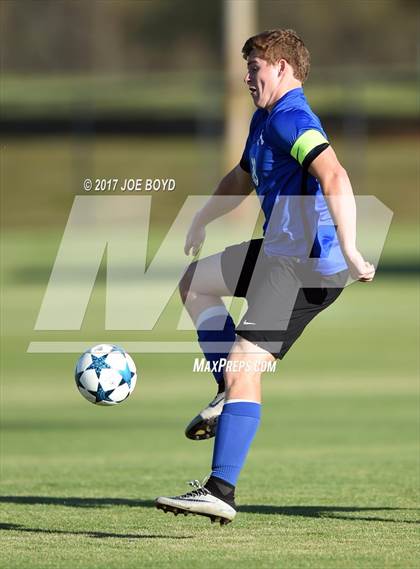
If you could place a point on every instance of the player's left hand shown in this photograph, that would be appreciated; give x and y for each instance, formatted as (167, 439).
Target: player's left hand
(360, 269)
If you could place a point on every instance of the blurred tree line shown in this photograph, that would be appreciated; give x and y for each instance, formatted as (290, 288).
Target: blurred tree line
(125, 36)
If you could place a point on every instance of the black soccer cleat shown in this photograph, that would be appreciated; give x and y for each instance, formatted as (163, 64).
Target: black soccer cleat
(204, 425)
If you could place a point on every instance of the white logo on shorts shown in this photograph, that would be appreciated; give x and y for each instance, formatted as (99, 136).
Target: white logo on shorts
(246, 323)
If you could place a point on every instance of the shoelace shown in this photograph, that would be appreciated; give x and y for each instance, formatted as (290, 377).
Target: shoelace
(199, 490)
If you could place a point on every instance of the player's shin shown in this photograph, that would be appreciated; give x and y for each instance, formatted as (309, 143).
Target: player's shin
(236, 429)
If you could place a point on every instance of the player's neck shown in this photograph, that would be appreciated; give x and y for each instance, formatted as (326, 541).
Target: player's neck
(291, 84)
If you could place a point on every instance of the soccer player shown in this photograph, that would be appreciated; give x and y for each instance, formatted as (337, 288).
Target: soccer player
(297, 270)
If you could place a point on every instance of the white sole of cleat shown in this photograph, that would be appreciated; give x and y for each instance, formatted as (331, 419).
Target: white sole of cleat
(176, 511)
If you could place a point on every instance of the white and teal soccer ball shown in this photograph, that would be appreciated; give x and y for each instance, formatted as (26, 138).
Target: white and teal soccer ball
(105, 375)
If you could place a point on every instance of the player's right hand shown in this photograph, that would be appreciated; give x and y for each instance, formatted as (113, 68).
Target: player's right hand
(195, 238)
(360, 269)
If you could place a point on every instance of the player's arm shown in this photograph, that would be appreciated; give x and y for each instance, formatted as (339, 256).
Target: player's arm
(235, 186)
(338, 192)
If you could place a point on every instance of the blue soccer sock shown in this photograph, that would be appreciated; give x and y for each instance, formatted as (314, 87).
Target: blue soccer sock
(215, 324)
(236, 429)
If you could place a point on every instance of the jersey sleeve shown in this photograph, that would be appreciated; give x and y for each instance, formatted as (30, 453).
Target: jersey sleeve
(244, 162)
(300, 134)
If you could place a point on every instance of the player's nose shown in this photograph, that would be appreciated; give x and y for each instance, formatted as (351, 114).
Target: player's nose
(246, 78)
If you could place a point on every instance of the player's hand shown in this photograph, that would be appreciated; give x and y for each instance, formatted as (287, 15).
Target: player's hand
(360, 269)
(195, 238)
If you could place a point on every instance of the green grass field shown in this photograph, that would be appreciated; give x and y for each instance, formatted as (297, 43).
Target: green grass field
(332, 476)
(330, 481)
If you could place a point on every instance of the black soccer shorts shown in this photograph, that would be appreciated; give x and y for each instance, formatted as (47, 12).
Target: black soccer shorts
(282, 293)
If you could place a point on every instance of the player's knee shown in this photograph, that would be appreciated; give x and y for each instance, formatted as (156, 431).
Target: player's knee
(231, 379)
(185, 282)
(240, 379)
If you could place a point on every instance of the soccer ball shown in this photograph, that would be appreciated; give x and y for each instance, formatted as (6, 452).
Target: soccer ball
(105, 375)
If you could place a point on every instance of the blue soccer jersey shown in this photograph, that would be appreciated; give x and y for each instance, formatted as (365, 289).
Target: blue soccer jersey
(279, 149)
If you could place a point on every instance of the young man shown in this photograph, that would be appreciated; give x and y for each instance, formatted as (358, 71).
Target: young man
(298, 269)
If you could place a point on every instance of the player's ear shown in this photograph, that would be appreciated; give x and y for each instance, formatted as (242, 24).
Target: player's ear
(281, 67)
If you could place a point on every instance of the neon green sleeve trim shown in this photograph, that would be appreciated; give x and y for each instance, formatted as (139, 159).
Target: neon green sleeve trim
(305, 143)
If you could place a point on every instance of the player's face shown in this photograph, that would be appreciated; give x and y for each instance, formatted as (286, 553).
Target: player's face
(262, 80)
